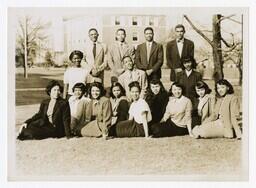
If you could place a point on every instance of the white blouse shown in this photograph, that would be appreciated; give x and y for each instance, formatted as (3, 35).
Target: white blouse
(137, 108)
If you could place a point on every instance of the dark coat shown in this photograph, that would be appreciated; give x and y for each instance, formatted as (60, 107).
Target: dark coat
(172, 54)
(60, 118)
(155, 60)
(189, 83)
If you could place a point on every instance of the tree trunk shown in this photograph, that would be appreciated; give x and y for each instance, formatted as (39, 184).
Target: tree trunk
(217, 52)
(25, 50)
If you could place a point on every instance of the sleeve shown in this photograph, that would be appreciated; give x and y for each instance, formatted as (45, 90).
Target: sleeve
(160, 58)
(107, 116)
(110, 59)
(192, 49)
(137, 58)
(168, 55)
(66, 77)
(122, 110)
(188, 112)
(66, 118)
(235, 114)
(38, 115)
(144, 81)
(167, 111)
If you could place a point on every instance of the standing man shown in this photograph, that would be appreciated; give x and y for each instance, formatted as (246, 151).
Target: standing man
(95, 57)
(178, 49)
(149, 55)
(119, 49)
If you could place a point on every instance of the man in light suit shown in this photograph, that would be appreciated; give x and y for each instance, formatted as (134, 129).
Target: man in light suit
(95, 57)
(149, 55)
(178, 49)
(117, 51)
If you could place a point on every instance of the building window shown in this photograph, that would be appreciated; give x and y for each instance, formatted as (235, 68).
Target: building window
(134, 20)
(117, 20)
(151, 21)
(134, 36)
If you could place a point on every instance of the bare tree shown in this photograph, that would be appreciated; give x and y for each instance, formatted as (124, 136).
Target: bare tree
(232, 49)
(29, 35)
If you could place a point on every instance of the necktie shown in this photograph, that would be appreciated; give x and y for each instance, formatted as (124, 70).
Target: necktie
(148, 51)
(94, 50)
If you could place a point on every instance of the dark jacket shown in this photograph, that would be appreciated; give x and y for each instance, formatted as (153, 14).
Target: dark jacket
(189, 83)
(60, 117)
(155, 60)
(172, 53)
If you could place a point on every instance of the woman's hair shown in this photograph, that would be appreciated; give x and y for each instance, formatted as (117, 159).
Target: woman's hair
(226, 83)
(188, 59)
(134, 84)
(81, 86)
(177, 85)
(76, 52)
(155, 81)
(98, 85)
(126, 57)
(52, 84)
(203, 85)
(117, 84)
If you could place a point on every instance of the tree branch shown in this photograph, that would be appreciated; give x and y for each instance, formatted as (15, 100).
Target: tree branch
(229, 18)
(198, 31)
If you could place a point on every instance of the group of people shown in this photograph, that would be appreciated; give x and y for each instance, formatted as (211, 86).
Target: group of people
(137, 104)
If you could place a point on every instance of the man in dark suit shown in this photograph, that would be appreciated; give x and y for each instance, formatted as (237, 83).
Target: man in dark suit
(149, 55)
(178, 49)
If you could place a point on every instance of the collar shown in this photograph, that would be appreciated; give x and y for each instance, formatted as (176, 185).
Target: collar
(180, 41)
(188, 72)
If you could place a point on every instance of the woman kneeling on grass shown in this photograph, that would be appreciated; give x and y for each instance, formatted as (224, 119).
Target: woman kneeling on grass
(224, 118)
(139, 116)
(94, 118)
(177, 117)
(53, 118)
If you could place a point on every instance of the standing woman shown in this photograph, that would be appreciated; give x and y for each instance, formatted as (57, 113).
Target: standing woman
(52, 119)
(157, 99)
(119, 103)
(223, 120)
(94, 118)
(74, 74)
(177, 118)
(139, 116)
(204, 104)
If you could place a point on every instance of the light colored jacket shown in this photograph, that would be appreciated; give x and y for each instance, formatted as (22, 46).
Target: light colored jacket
(227, 110)
(207, 108)
(116, 54)
(96, 66)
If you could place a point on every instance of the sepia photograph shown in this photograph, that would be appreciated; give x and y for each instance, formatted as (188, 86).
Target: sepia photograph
(128, 93)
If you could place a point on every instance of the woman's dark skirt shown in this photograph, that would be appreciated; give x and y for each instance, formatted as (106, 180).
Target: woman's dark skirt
(128, 128)
(167, 129)
(37, 130)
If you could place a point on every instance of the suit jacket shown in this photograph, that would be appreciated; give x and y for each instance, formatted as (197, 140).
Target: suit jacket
(115, 56)
(60, 117)
(104, 115)
(207, 108)
(96, 66)
(172, 53)
(155, 58)
(189, 82)
(227, 110)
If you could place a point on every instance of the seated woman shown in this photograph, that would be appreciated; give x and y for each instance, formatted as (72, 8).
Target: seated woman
(204, 104)
(157, 99)
(119, 103)
(177, 116)
(223, 120)
(52, 119)
(94, 118)
(139, 116)
(74, 74)
(79, 91)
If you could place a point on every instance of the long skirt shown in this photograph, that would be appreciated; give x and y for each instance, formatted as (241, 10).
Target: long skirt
(38, 130)
(91, 129)
(167, 129)
(213, 129)
(129, 128)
